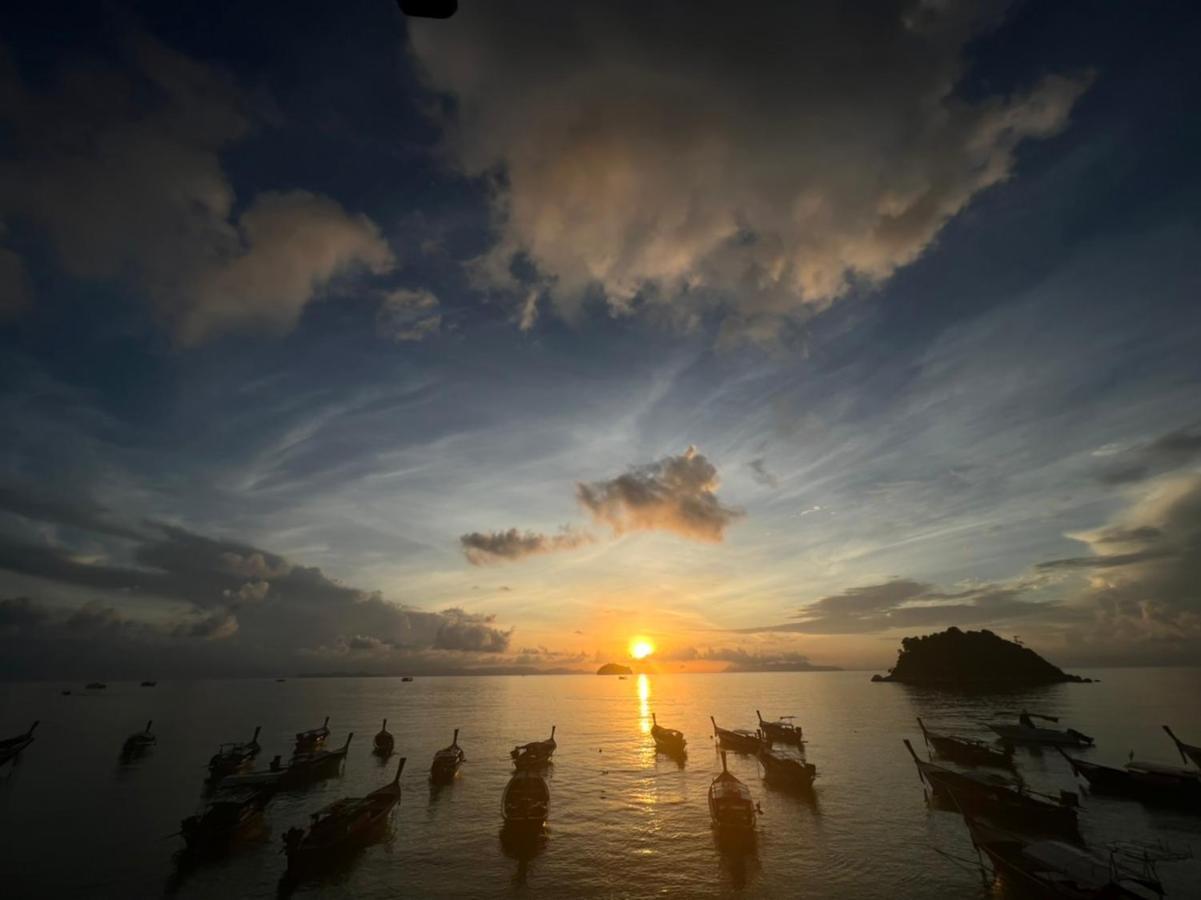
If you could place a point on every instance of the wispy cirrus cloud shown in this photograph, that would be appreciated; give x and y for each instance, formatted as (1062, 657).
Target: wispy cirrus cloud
(486, 548)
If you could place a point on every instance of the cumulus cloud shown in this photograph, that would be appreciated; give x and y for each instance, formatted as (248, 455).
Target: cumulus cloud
(687, 150)
(486, 548)
(468, 631)
(906, 603)
(122, 170)
(408, 315)
(676, 494)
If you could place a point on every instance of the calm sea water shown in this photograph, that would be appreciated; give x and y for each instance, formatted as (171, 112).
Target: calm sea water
(623, 822)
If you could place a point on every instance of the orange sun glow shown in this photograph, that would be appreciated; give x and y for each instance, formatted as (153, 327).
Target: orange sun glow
(641, 648)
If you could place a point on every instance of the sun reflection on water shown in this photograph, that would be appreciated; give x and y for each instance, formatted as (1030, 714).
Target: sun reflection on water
(644, 706)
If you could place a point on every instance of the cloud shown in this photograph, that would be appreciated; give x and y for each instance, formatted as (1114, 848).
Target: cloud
(906, 603)
(680, 152)
(15, 289)
(509, 546)
(760, 473)
(205, 605)
(408, 315)
(466, 631)
(1164, 454)
(676, 494)
(122, 170)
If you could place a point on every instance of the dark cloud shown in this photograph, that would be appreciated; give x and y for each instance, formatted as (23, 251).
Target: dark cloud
(760, 473)
(1164, 454)
(1105, 562)
(212, 604)
(905, 603)
(508, 546)
(464, 631)
(676, 494)
(675, 151)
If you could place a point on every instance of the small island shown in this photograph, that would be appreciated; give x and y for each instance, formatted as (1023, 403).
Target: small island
(972, 660)
(614, 669)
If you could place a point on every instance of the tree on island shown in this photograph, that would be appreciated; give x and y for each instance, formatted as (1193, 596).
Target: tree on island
(973, 660)
(614, 669)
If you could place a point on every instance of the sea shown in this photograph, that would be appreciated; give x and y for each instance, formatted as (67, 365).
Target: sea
(76, 820)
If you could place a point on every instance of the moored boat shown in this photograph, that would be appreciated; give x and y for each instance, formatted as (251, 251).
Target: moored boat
(1149, 782)
(731, 807)
(967, 751)
(233, 757)
(525, 802)
(383, 742)
(11, 747)
(95, 686)
(780, 731)
(1187, 751)
(1049, 868)
(787, 771)
(447, 761)
(226, 816)
(1000, 799)
(343, 826)
(149, 683)
(312, 739)
(737, 739)
(1026, 732)
(139, 741)
(535, 753)
(667, 740)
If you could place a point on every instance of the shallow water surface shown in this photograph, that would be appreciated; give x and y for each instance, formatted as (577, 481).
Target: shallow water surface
(623, 821)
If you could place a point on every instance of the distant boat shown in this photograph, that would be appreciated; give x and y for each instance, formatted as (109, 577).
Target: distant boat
(787, 771)
(11, 747)
(278, 680)
(149, 683)
(667, 740)
(95, 686)
(1058, 869)
(967, 751)
(525, 803)
(1026, 732)
(407, 678)
(233, 757)
(535, 753)
(1004, 801)
(737, 739)
(780, 731)
(383, 742)
(225, 817)
(1187, 751)
(139, 741)
(730, 804)
(1149, 782)
(447, 761)
(307, 741)
(65, 693)
(343, 826)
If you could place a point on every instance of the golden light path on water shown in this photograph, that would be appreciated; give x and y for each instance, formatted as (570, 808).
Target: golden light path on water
(644, 706)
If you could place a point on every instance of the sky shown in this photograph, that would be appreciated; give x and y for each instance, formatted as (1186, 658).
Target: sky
(335, 341)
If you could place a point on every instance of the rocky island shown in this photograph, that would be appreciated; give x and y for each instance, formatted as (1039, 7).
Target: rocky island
(972, 660)
(614, 669)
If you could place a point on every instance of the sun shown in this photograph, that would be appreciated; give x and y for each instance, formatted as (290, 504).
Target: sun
(641, 648)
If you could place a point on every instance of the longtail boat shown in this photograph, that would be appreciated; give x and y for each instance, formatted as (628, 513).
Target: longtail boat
(1187, 751)
(1026, 732)
(343, 826)
(1047, 868)
(149, 683)
(781, 731)
(139, 741)
(667, 740)
(95, 686)
(525, 802)
(787, 771)
(535, 753)
(234, 757)
(225, 817)
(1001, 799)
(10, 747)
(313, 738)
(302, 769)
(737, 739)
(1149, 782)
(447, 761)
(967, 751)
(383, 742)
(730, 804)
